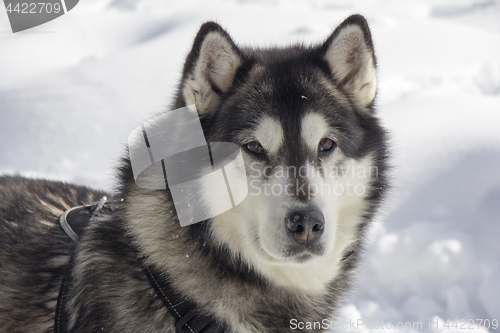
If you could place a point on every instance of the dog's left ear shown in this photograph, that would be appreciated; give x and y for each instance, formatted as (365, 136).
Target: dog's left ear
(210, 68)
(349, 54)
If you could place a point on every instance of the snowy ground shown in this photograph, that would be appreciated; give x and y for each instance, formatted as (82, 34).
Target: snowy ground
(72, 90)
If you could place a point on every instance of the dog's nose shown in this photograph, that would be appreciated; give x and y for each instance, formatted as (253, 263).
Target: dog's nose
(306, 226)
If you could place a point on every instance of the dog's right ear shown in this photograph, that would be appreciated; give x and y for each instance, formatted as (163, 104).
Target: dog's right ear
(210, 68)
(349, 54)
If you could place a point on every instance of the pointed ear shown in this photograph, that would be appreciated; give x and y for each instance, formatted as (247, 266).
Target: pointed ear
(349, 54)
(210, 68)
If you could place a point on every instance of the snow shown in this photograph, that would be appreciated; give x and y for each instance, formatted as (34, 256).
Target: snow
(73, 89)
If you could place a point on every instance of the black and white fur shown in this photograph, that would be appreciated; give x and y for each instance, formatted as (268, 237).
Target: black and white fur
(243, 267)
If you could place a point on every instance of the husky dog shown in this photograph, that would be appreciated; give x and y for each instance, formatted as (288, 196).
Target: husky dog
(315, 157)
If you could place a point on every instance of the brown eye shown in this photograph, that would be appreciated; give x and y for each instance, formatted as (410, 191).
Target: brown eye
(326, 144)
(255, 147)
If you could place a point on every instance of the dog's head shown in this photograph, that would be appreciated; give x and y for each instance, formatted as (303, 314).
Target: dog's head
(312, 147)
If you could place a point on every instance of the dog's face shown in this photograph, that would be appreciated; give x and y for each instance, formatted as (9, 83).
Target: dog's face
(304, 119)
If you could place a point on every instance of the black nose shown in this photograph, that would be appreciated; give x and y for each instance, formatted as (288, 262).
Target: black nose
(306, 226)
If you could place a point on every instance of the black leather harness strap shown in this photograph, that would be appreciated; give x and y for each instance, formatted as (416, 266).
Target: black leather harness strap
(187, 318)
(73, 222)
(61, 318)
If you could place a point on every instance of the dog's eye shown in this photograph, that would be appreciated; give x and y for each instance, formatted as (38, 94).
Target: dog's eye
(255, 147)
(326, 144)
